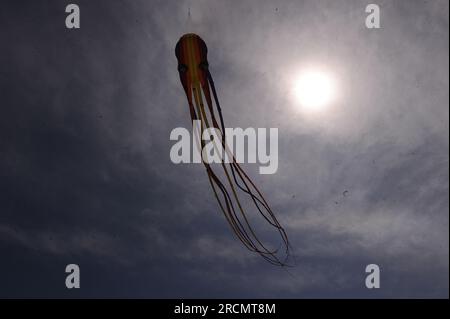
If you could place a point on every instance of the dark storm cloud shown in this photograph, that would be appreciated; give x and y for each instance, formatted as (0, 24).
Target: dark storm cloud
(84, 137)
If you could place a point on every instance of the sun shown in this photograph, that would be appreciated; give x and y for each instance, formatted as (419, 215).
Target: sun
(314, 90)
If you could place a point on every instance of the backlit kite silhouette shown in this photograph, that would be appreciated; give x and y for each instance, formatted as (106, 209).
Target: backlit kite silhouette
(235, 184)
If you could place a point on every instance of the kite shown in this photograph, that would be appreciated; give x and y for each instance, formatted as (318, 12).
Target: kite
(191, 53)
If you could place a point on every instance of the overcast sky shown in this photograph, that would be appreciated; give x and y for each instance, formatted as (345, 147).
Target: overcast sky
(86, 176)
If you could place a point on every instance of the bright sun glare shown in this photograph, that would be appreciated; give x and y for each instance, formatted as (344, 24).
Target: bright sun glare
(314, 90)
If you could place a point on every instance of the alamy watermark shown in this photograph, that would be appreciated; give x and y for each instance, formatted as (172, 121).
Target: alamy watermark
(73, 279)
(242, 146)
(373, 277)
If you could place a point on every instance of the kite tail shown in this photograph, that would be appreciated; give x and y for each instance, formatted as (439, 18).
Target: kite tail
(243, 177)
(240, 227)
(238, 221)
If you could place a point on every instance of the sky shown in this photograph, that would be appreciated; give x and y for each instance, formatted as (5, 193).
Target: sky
(86, 177)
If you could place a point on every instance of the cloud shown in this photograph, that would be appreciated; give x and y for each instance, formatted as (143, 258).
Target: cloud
(86, 174)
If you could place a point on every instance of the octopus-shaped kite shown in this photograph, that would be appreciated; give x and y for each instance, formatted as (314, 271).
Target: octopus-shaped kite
(191, 52)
